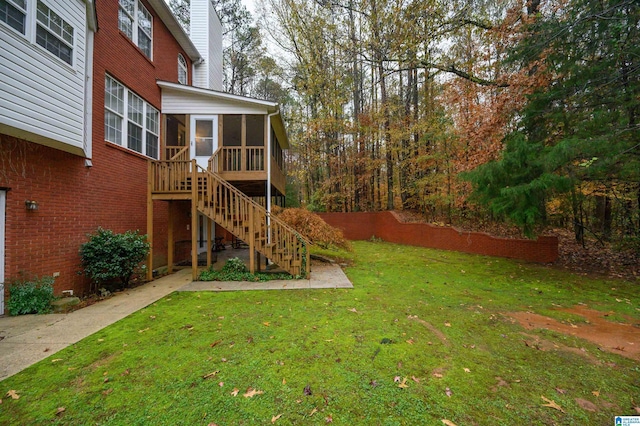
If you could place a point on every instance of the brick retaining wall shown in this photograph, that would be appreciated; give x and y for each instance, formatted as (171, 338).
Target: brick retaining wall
(387, 226)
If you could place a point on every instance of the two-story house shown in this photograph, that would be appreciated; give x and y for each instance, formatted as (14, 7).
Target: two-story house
(109, 113)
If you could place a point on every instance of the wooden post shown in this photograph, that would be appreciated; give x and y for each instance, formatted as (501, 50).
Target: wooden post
(150, 221)
(308, 272)
(252, 242)
(170, 243)
(194, 220)
(209, 246)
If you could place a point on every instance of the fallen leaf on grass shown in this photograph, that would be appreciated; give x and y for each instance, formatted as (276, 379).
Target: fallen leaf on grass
(210, 375)
(307, 390)
(13, 394)
(415, 379)
(266, 323)
(448, 392)
(107, 392)
(466, 370)
(586, 405)
(437, 375)
(274, 418)
(448, 422)
(284, 381)
(410, 341)
(60, 410)
(447, 324)
(596, 393)
(328, 419)
(551, 404)
(235, 391)
(561, 391)
(403, 384)
(252, 392)
(373, 383)
(56, 360)
(637, 409)
(221, 384)
(315, 410)
(216, 343)
(143, 330)
(353, 310)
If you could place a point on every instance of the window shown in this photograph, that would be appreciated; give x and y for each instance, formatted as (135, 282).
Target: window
(54, 33)
(135, 21)
(129, 121)
(50, 31)
(14, 14)
(182, 69)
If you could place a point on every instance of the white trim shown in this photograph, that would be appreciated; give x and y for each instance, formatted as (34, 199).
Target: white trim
(3, 205)
(217, 94)
(203, 161)
(125, 119)
(182, 70)
(88, 99)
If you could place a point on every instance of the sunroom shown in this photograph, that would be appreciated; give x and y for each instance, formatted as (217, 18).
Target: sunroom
(239, 138)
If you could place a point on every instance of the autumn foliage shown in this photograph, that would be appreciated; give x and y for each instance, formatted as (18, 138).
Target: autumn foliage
(313, 227)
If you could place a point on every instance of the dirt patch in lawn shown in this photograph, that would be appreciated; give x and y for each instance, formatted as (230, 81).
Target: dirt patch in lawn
(618, 338)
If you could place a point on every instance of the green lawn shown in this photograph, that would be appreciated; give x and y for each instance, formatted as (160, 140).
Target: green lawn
(432, 320)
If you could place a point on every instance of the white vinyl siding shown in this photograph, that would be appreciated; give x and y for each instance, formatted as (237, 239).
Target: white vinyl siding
(135, 21)
(206, 35)
(174, 102)
(42, 96)
(129, 121)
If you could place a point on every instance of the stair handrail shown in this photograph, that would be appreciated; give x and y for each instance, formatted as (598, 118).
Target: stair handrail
(182, 155)
(214, 160)
(245, 197)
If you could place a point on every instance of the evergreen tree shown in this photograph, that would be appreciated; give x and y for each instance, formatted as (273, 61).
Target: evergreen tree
(582, 126)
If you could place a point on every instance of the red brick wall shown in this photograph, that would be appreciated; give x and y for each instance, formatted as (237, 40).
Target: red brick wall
(385, 225)
(74, 199)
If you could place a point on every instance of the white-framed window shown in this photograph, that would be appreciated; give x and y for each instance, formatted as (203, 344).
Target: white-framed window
(14, 14)
(41, 25)
(136, 22)
(182, 70)
(130, 121)
(54, 33)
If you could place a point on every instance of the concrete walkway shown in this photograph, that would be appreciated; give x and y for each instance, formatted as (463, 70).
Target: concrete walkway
(27, 339)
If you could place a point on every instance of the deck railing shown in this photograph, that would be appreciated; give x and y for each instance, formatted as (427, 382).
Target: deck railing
(238, 159)
(234, 211)
(177, 152)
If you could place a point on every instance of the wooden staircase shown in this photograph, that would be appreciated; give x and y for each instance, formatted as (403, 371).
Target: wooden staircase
(233, 210)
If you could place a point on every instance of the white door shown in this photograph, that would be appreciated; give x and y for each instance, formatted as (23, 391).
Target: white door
(204, 138)
(204, 234)
(3, 204)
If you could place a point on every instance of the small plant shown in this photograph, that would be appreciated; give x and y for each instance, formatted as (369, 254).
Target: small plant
(30, 296)
(235, 266)
(235, 270)
(109, 257)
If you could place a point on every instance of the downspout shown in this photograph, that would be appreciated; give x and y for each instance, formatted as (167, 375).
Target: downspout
(269, 143)
(91, 28)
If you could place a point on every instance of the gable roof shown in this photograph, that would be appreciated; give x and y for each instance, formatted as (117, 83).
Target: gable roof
(215, 102)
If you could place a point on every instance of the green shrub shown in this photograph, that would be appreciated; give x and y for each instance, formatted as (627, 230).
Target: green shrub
(235, 266)
(108, 256)
(235, 270)
(30, 296)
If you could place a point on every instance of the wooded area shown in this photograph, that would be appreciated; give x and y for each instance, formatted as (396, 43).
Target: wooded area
(466, 109)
